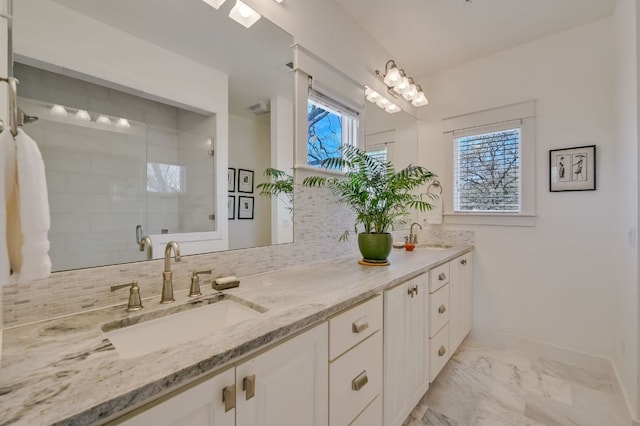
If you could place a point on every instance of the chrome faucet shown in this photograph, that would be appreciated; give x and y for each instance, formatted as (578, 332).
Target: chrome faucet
(145, 242)
(413, 238)
(167, 283)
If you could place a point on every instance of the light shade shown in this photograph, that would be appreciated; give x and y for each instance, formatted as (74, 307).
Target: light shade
(372, 95)
(383, 103)
(243, 14)
(103, 119)
(123, 123)
(214, 3)
(392, 78)
(392, 108)
(411, 93)
(83, 115)
(420, 100)
(279, 1)
(59, 111)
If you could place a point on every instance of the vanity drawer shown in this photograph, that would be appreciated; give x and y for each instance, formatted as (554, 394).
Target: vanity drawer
(438, 310)
(438, 352)
(438, 277)
(371, 416)
(351, 327)
(355, 379)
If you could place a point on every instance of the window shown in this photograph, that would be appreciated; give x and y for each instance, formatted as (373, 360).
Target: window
(165, 177)
(379, 154)
(492, 158)
(330, 125)
(487, 172)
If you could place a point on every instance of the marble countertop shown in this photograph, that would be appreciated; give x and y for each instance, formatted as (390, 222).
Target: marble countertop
(65, 370)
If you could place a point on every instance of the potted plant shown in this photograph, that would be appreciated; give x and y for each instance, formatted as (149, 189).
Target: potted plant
(378, 194)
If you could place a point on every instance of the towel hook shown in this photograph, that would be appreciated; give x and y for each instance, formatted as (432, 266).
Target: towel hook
(13, 104)
(436, 183)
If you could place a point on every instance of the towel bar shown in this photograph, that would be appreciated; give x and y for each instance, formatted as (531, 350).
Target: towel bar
(13, 104)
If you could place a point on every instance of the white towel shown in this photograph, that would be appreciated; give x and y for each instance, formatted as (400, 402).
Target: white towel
(27, 215)
(7, 198)
(434, 216)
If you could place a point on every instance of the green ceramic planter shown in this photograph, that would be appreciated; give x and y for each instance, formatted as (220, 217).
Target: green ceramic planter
(375, 247)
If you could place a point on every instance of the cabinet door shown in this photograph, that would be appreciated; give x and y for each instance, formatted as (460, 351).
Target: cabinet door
(467, 294)
(406, 350)
(461, 300)
(200, 405)
(286, 385)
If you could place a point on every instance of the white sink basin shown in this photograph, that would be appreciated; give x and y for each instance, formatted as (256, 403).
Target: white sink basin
(195, 322)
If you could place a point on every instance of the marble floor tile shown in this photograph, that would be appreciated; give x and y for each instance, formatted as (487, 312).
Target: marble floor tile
(488, 386)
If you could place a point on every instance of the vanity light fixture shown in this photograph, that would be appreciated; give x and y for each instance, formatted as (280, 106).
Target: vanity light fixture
(279, 1)
(83, 115)
(103, 119)
(384, 103)
(123, 123)
(59, 111)
(243, 14)
(214, 3)
(399, 83)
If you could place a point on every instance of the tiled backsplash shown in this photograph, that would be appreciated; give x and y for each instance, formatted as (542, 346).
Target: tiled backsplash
(318, 222)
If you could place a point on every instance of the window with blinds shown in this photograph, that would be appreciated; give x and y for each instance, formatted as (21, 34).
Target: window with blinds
(487, 172)
(378, 154)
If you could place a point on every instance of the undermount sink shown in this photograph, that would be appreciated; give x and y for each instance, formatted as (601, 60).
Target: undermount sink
(149, 332)
(436, 246)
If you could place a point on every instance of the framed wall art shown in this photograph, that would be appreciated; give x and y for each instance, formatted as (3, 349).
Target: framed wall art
(231, 206)
(572, 169)
(245, 181)
(231, 180)
(245, 207)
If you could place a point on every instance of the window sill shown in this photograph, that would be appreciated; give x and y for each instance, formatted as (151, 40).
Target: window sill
(490, 219)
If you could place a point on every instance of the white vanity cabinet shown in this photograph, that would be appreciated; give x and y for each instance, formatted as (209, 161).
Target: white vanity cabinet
(284, 385)
(355, 367)
(406, 350)
(461, 299)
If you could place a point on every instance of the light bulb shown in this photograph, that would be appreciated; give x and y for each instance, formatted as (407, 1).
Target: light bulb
(83, 115)
(59, 111)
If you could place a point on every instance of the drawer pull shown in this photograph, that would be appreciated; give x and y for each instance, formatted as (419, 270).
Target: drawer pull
(416, 289)
(442, 276)
(360, 381)
(463, 262)
(442, 351)
(249, 386)
(360, 325)
(442, 309)
(229, 397)
(410, 291)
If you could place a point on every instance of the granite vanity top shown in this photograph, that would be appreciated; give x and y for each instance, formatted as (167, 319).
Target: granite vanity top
(65, 370)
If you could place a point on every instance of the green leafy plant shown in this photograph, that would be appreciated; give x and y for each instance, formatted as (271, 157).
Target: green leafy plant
(378, 194)
(281, 184)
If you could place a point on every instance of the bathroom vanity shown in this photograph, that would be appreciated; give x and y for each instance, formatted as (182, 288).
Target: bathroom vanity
(313, 353)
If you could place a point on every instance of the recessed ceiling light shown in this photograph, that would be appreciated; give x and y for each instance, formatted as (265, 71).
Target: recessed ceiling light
(243, 14)
(214, 3)
(83, 115)
(59, 111)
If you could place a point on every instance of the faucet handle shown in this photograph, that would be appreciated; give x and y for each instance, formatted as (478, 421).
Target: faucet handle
(194, 290)
(135, 301)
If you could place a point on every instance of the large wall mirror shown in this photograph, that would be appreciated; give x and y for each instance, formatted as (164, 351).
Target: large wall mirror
(155, 119)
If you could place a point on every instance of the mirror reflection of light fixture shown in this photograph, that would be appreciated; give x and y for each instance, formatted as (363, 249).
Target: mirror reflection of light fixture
(243, 14)
(393, 108)
(398, 82)
(123, 123)
(59, 111)
(376, 98)
(214, 3)
(103, 119)
(83, 115)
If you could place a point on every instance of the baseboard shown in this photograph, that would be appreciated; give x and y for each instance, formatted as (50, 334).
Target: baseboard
(562, 354)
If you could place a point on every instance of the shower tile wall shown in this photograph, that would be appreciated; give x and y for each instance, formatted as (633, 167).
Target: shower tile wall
(97, 177)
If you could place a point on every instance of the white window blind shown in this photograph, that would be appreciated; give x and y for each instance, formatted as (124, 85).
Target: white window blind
(378, 154)
(487, 172)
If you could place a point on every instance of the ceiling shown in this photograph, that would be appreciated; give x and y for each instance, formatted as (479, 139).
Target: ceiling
(425, 36)
(255, 59)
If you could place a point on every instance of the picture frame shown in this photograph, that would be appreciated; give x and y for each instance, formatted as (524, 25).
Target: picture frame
(245, 181)
(245, 207)
(231, 207)
(231, 180)
(572, 169)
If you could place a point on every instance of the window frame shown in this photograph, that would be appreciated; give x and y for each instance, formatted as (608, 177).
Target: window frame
(520, 115)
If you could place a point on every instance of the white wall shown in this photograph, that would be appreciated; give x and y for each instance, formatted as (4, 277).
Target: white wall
(552, 282)
(625, 33)
(281, 159)
(250, 149)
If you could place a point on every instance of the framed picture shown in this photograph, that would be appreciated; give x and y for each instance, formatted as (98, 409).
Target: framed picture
(231, 206)
(572, 169)
(231, 180)
(245, 207)
(245, 181)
